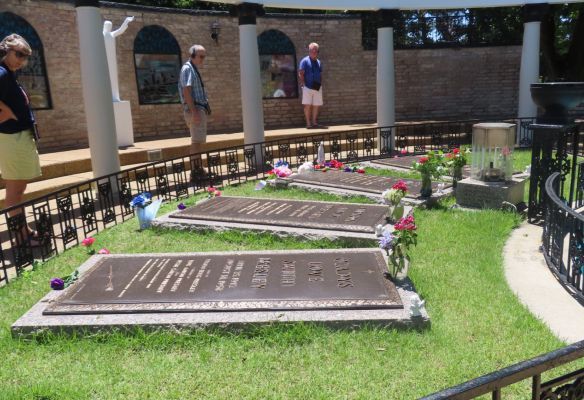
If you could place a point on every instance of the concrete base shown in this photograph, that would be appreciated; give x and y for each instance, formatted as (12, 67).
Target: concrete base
(478, 194)
(35, 323)
(124, 127)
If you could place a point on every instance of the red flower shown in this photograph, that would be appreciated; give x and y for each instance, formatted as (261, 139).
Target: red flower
(423, 160)
(360, 171)
(456, 151)
(400, 185)
(87, 241)
(406, 224)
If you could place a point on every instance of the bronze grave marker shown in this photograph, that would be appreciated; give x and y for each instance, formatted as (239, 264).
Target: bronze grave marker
(246, 281)
(345, 217)
(358, 182)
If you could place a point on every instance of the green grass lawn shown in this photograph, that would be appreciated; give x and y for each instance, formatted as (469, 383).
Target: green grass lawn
(478, 326)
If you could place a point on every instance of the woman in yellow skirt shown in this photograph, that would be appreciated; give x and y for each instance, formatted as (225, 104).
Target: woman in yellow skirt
(19, 159)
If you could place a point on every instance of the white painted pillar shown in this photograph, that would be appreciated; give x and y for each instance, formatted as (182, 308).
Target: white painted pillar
(385, 76)
(249, 69)
(97, 90)
(529, 72)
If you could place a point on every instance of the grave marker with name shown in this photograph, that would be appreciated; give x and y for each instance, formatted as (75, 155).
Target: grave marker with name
(361, 218)
(247, 281)
(358, 182)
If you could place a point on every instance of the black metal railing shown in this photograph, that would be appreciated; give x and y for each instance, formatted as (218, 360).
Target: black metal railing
(568, 386)
(563, 234)
(63, 218)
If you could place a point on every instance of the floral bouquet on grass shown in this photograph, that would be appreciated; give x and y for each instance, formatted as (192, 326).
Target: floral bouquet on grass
(393, 198)
(141, 200)
(431, 165)
(397, 244)
(213, 192)
(281, 169)
(146, 209)
(66, 281)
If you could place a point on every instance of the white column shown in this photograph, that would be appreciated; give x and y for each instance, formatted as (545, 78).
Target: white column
(251, 93)
(385, 75)
(529, 72)
(97, 90)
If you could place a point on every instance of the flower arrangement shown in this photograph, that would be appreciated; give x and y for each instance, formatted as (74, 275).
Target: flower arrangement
(398, 243)
(457, 158)
(66, 281)
(393, 197)
(338, 165)
(432, 164)
(213, 192)
(280, 170)
(397, 192)
(141, 200)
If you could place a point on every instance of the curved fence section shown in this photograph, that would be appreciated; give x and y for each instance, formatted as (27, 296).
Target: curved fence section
(563, 234)
(568, 386)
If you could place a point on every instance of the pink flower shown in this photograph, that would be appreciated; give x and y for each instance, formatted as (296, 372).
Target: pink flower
(456, 151)
(404, 151)
(103, 251)
(88, 241)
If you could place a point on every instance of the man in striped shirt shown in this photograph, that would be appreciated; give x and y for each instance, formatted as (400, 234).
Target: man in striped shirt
(194, 98)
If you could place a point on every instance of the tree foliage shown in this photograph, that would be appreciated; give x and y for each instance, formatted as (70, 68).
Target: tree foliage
(562, 43)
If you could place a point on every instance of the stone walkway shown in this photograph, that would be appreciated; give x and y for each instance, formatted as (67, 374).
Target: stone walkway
(537, 288)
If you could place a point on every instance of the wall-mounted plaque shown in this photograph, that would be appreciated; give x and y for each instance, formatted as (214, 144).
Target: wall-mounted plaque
(360, 218)
(246, 281)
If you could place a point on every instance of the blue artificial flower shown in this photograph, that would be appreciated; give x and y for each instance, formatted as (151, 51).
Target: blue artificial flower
(181, 206)
(348, 169)
(386, 241)
(141, 200)
(280, 163)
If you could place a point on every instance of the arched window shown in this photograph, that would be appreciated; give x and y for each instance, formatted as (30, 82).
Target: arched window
(277, 65)
(33, 77)
(157, 61)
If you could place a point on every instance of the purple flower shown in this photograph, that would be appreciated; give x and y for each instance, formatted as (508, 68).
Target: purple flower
(386, 241)
(348, 169)
(57, 284)
(181, 206)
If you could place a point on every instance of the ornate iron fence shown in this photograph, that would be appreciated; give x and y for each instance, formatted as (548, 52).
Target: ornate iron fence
(63, 218)
(563, 234)
(568, 386)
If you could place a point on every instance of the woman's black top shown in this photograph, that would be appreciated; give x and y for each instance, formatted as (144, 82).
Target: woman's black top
(14, 96)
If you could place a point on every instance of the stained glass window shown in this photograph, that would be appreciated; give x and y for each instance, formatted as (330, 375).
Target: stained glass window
(158, 63)
(33, 77)
(277, 65)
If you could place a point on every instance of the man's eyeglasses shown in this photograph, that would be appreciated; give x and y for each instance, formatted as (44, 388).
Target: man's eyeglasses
(20, 54)
(202, 56)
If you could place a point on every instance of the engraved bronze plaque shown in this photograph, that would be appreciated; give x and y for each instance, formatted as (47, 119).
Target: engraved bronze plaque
(358, 182)
(248, 281)
(346, 217)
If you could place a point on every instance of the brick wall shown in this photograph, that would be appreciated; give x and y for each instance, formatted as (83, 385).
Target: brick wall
(430, 84)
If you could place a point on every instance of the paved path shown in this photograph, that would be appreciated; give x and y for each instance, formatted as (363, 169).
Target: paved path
(531, 280)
